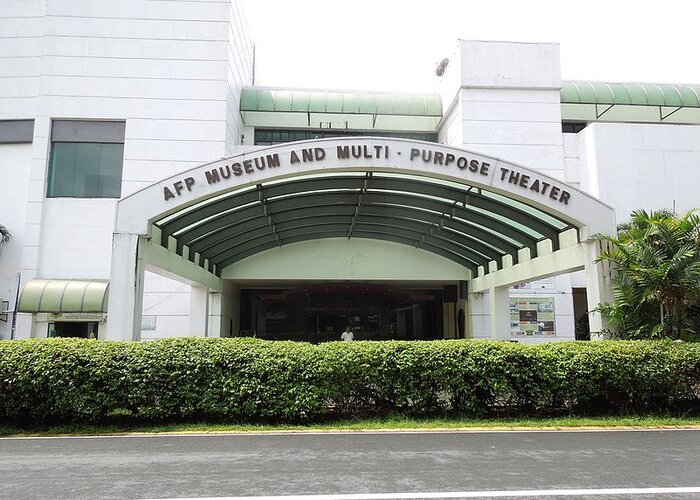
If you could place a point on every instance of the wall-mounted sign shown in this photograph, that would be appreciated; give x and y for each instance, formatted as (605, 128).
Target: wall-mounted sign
(532, 317)
(543, 284)
(435, 157)
(257, 166)
(4, 310)
(91, 317)
(148, 322)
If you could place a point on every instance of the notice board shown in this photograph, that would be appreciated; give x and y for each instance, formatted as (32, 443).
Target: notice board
(532, 317)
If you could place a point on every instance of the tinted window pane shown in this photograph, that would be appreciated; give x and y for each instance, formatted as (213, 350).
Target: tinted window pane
(111, 170)
(266, 137)
(61, 179)
(85, 170)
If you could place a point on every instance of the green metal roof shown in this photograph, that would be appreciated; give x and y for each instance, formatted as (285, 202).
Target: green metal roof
(64, 296)
(633, 94)
(467, 225)
(341, 102)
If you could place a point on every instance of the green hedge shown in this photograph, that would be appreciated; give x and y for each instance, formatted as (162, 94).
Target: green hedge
(72, 380)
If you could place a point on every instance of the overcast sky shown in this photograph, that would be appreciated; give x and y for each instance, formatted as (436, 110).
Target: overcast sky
(396, 45)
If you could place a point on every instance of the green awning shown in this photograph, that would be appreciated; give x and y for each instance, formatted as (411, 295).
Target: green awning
(64, 296)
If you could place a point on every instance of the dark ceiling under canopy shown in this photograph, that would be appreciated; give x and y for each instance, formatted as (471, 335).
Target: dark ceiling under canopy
(465, 224)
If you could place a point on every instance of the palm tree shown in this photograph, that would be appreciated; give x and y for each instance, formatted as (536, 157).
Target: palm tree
(657, 256)
(5, 235)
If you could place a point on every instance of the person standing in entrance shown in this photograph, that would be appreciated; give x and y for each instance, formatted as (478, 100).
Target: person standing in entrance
(347, 335)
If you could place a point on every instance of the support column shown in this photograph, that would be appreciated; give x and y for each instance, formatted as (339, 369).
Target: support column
(499, 312)
(199, 311)
(125, 288)
(478, 317)
(215, 323)
(231, 308)
(449, 324)
(417, 322)
(598, 288)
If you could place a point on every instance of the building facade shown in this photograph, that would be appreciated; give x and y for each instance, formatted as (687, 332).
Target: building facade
(106, 114)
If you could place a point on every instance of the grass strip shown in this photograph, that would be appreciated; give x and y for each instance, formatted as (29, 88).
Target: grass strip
(378, 424)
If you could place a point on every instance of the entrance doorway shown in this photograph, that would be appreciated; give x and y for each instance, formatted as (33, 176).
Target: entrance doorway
(320, 312)
(78, 329)
(581, 326)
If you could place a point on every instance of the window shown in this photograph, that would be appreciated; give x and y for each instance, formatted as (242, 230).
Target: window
(572, 127)
(16, 131)
(269, 137)
(86, 159)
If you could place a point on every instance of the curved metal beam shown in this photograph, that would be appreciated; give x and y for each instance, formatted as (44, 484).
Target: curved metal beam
(341, 234)
(201, 238)
(466, 197)
(411, 232)
(330, 201)
(457, 223)
(234, 238)
(408, 187)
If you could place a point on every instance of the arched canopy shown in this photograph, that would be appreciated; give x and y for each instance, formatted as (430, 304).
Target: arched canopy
(465, 224)
(463, 206)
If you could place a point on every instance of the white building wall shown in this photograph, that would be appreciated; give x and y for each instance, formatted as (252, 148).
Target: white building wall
(572, 160)
(636, 166)
(240, 49)
(451, 131)
(169, 302)
(14, 171)
(170, 69)
(508, 105)
(642, 166)
(508, 101)
(21, 30)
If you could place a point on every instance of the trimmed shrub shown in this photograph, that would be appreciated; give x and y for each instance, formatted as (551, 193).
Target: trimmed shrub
(251, 380)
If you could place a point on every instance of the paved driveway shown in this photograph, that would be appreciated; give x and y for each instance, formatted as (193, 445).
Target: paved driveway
(364, 465)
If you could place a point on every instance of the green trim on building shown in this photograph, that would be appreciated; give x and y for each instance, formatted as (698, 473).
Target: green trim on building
(630, 94)
(340, 102)
(581, 101)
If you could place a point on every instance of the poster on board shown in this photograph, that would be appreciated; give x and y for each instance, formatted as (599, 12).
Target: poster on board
(532, 317)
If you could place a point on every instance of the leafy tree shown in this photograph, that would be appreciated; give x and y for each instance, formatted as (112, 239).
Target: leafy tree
(656, 292)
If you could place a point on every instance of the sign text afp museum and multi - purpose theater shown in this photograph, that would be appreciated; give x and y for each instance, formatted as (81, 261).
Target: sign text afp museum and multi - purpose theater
(432, 158)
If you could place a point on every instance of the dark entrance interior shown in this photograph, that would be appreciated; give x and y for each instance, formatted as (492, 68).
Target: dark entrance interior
(80, 329)
(581, 327)
(320, 312)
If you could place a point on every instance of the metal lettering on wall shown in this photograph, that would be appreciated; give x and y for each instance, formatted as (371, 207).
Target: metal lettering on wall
(435, 159)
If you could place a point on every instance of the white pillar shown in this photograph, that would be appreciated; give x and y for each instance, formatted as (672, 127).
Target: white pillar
(499, 312)
(199, 311)
(224, 311)
(215, 313)
(26, 327)
(125, 288)
(449, 326)
(598, 288)
(478, 315)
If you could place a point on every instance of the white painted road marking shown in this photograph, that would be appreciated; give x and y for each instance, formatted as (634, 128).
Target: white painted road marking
(466, 494)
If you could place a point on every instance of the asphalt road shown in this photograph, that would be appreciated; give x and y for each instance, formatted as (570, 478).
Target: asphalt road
(198, 466)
